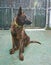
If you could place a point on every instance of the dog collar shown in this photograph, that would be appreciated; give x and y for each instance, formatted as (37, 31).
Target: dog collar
(16, 24)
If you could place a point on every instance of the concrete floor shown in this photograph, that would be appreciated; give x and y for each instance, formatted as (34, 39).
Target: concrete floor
(34, 54)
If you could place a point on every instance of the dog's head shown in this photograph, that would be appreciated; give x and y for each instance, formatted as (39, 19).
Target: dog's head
(22, 18)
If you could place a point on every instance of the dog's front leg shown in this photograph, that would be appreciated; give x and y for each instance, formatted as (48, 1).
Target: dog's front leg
(13, 46)
(21, 57)
(23, 46)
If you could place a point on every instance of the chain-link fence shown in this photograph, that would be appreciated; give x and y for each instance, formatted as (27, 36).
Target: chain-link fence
(34, 9)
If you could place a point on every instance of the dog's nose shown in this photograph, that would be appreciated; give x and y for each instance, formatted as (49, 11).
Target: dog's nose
(28, 22)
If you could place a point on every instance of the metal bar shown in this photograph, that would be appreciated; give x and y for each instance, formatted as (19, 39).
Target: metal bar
(46, 16)
(12, 14)
(24, 8)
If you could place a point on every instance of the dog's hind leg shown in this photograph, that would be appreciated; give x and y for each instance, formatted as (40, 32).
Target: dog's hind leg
(26, 41)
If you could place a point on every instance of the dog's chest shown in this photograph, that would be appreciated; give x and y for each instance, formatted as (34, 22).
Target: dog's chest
(18, 33)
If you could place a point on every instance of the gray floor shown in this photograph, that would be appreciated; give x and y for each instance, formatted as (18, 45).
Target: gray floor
(34, 54)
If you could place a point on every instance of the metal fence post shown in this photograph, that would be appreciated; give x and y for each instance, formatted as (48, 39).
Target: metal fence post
(46, 16)
(12, 14)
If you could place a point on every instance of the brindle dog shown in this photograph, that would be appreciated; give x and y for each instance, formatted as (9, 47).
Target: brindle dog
(19, 37)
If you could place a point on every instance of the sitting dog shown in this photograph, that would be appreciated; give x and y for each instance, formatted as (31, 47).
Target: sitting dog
(19, 37)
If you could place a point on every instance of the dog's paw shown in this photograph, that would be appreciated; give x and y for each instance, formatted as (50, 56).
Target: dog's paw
(22, 50)
(21, 57)
(16, 49)
(12, 51)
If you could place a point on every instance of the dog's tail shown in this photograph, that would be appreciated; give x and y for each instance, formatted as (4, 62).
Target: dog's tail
(35, 42)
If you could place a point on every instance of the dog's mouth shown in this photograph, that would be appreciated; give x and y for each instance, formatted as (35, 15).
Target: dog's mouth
(27, 22)
(24, 22)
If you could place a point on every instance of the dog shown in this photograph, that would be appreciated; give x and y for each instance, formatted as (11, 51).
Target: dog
(20, 39)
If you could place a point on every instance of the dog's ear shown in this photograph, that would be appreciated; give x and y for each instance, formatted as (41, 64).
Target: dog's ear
(19, 11)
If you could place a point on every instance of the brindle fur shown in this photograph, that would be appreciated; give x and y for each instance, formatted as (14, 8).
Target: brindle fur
(19, 37)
